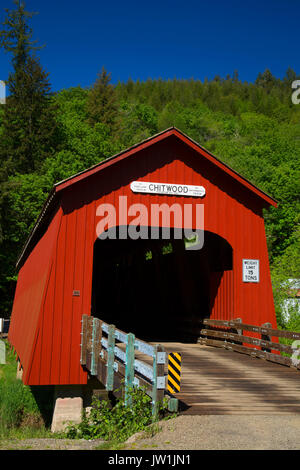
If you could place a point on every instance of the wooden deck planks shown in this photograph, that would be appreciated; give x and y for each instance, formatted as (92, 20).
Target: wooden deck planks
(221, 382)
(216, 381)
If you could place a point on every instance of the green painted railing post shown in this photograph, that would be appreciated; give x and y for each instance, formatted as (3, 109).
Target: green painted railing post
(173, 405)
(95, 345)
(110, 358)
(129, 369)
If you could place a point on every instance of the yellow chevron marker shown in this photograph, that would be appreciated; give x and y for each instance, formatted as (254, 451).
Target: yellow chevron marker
(174, 369)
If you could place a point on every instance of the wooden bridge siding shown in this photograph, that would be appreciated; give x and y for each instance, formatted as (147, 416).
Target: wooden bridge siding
(216, 381)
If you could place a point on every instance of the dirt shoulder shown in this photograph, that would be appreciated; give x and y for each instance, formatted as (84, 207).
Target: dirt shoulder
(49, 444)
(276, 432)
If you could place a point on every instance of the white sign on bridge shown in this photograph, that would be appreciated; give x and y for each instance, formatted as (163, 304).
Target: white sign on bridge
(250, 270)
(167, 188)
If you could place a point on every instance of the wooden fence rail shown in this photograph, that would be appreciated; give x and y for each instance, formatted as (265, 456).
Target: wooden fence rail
(234, 339)
(109, 354)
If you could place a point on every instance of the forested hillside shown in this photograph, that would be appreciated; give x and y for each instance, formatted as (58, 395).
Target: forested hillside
(46, 137)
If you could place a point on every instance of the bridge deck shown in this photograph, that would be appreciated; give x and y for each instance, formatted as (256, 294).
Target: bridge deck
(217, 381)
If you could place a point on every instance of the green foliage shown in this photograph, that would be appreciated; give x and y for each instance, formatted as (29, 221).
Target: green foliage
(115, 423)
(18, 407)
(137, 122)
(285, 268)
(83, 145)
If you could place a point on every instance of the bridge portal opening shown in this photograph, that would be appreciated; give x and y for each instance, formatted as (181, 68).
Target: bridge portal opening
(157, 289)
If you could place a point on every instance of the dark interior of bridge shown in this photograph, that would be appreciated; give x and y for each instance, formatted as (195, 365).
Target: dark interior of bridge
(157, 289)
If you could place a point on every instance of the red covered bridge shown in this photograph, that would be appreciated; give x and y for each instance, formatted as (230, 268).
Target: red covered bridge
(157, 287)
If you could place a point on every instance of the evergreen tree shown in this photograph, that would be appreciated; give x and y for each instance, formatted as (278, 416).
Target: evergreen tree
(28, 135)
(266, 80)
(29, 122)
(16, 37)
(102, 103)
(235, 77)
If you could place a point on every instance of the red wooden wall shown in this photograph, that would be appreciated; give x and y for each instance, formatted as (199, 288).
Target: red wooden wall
(45, 323)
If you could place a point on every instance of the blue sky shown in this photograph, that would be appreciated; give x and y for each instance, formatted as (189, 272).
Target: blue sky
(162, 39)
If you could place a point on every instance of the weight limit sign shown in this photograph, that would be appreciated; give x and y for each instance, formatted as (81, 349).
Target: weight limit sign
(174, 370)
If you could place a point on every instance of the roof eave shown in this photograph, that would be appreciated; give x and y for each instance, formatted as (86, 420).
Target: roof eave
(38, 223)
(157, 138)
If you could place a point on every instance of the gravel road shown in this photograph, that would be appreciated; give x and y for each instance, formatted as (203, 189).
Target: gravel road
(277, 432)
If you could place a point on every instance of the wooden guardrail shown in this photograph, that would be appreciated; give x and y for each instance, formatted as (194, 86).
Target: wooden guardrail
(109, 354)
(234, 339)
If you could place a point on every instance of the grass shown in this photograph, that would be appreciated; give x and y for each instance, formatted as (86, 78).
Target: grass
(20, 413)
(110, 445)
